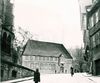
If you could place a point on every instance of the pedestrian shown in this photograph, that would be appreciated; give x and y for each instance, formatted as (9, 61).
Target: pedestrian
(55, 71)
(72, 71)
(37, 76)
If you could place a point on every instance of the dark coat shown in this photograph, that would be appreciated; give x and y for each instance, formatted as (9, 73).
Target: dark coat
(72, 71)
(36, 76)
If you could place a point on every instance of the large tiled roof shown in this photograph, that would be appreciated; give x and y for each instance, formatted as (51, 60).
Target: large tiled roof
(41, 48)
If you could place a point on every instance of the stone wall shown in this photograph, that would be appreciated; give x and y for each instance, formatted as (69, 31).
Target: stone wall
(11, 71)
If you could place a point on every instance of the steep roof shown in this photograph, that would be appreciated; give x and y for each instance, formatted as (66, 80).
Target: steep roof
(41, 48)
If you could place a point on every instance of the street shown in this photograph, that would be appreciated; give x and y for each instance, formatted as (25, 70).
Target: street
(62, 78)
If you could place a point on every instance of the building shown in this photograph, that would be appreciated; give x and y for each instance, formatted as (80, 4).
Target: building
(93, 25)
(84, 7)
(47, 57)
(9, 69)
(91, 35)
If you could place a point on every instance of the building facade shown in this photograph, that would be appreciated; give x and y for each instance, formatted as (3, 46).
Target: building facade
(9, 69)
(47, 57)
(93, 25)
(84, 7)
(91, 31)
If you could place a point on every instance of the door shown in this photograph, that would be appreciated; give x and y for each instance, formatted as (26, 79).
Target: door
(97, 63)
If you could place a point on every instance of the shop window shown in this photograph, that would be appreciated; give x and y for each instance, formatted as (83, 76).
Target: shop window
(14, 73)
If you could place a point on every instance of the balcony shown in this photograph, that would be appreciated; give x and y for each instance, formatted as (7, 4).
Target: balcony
(95, 28)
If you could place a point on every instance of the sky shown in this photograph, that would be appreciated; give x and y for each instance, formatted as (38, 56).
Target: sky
(50, 20)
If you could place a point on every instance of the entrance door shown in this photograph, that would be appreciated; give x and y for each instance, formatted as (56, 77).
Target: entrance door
(97, 63)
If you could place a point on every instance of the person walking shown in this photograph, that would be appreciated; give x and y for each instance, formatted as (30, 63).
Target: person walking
(72, 71)
(37, 76)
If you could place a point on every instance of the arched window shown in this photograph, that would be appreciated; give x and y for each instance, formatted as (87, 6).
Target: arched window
(9, 44)
(4, 42)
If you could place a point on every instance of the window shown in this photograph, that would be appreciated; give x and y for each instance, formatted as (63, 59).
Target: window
(92, 42)
(32, 65)
(47, 58)
(89, 24)
(14, 73)
(51, 58)
(99, 13)
(93, 39)
(43, 58)
(9, 44)
(97, 16)
(55, 59)
(84, 22)
(31, 57)
(92, 22)
(4, 42)
(99, 37)
(27, 57)
(2, 73)
(25, 63)
(36, 57)
(39, 57)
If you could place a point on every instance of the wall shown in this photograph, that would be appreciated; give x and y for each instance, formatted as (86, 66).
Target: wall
(67, 63)
(11, 71)
(44, 65)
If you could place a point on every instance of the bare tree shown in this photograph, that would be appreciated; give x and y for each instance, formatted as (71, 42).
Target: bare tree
(78, 59)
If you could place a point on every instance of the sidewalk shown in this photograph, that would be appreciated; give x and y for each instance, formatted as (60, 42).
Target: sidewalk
(95, 79)
(17, 80)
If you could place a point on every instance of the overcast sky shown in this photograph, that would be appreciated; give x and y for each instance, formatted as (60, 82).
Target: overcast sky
(50, 20)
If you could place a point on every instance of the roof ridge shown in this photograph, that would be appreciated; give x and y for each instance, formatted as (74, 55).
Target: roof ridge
(46, 42)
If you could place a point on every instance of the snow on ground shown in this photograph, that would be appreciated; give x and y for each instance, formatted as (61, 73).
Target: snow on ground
(62, 78)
